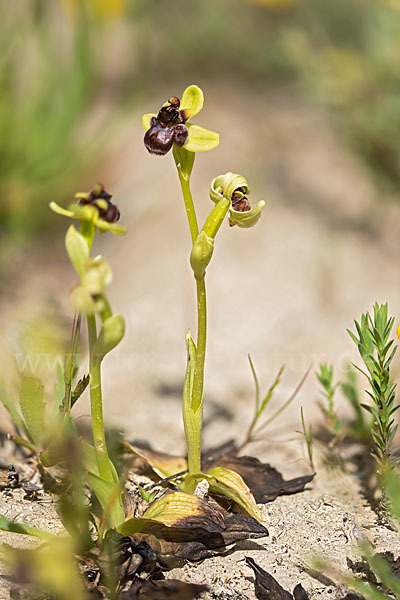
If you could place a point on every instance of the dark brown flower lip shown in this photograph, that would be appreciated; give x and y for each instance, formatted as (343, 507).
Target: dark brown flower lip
(167, 129)
(240, 202)
(101, 199)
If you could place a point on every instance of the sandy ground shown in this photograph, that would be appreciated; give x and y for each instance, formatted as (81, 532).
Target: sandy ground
(284, 292)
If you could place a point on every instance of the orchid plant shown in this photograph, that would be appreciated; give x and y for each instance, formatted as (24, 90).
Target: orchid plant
(168, 130)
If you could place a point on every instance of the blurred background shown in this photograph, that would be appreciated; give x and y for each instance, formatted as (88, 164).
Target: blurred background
(306, 97)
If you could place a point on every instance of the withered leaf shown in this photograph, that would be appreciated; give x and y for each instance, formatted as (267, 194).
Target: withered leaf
(163, 590)
(267, 588)
(161, 463)
(178, 511)
(196, 543)
(264, 481)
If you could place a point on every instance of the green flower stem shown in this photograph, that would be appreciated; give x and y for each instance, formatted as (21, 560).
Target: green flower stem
(96, 406)
(184, 168)
(194, 446)
(88, 230)
(193, 440)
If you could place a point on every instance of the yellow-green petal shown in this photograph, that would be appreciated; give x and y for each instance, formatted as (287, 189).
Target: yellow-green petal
(112, 227)
(247, 218)
(61, 211)
(146, 120)
(200, 139)
(192, 101)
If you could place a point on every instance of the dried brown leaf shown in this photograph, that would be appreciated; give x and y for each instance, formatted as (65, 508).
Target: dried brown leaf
(188, 542)
(163, 590)
(267, 588)
(264, 481)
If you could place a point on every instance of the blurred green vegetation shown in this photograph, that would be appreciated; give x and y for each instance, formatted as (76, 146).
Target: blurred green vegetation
(56, 59)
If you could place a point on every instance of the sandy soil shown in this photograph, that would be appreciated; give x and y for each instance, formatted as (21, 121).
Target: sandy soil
(284, 291)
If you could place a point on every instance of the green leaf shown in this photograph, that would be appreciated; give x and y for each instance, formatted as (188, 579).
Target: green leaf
(9, 404)
(169, 510)
(230, 484)
(192, 101)
(77, 249)
(33, 407)
(111, 333)
(13, 527)
(109, 495)
(200, 139)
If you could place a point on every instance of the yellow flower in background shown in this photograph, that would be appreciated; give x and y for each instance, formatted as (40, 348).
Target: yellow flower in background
(105, 9)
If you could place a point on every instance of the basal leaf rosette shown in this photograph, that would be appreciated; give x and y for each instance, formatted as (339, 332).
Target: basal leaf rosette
(169, 127)
(235, 188)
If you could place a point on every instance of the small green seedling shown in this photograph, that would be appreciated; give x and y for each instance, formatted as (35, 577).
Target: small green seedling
(377, 350)
(308, 438)
(257, 425)
(332, 424)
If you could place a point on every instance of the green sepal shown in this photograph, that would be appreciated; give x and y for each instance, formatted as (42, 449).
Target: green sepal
(146, 120)
(192, 101)
(87, 213)
(111, 333)
(200, 139)
(77, 249)
(246, 218)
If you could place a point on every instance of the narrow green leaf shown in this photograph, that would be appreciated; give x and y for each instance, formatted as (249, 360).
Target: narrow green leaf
(9, 404)
(13, 527)
(33, 407)
(109, 495)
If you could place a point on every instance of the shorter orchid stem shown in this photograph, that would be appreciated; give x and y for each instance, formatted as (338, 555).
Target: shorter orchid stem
(96, 405)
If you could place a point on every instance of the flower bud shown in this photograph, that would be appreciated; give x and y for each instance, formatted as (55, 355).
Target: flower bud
(97, 275)
(111, 333)
(235, 188)
(201, 254)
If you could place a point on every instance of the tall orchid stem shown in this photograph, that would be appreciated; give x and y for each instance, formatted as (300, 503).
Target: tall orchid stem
(193, 438)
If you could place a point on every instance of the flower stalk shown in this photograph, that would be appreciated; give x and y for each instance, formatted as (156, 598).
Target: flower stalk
(164, 131)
